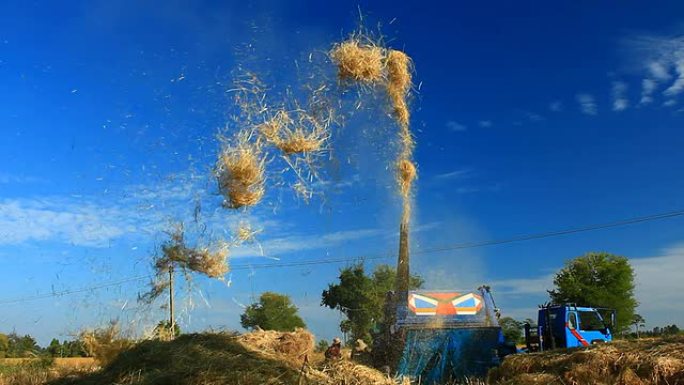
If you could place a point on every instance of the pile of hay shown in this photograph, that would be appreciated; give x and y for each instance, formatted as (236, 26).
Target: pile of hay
(295, 346)
(357, 61)
(349, 373)
(240, 174)
(104, 344)
(262, 357)
(642, 362)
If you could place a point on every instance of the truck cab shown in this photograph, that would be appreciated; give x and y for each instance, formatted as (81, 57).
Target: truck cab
(569, 326)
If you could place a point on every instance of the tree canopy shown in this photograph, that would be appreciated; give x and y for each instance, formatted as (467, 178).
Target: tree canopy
(361, 298)
(598, 280)
(273, 312)
(512, 330)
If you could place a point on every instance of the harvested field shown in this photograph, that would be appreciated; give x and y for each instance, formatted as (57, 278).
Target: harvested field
(642, 362)
(262, 357)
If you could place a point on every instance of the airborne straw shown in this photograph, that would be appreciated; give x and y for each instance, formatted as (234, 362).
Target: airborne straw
(240, 173)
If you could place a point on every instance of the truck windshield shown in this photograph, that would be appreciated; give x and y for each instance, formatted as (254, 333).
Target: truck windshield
(590, 320)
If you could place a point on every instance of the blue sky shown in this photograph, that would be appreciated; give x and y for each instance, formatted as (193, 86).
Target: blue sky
(528, 118)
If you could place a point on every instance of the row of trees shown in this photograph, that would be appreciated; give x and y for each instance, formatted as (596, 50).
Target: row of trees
(15, 346)
(594, 279)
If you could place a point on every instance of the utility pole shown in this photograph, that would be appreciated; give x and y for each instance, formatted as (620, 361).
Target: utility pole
(172, 321)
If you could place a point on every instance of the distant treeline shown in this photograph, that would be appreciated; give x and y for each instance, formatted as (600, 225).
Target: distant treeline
(658, 331)
(15, 346)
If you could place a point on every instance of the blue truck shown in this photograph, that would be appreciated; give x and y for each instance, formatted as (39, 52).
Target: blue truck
(569, 326)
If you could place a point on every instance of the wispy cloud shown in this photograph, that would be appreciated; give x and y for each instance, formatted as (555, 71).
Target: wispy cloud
(485, 123)
(455, 126)
(620, 102)
(648, 87)
(18, 179)
(275, 247)
(660, 59)
(556, 106)
(84, 224)
(456, 174)
(587, 104)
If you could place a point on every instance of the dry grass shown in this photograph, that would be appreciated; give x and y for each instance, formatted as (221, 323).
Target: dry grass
(104, 344)
(301, 140)
(211, 264)
(294, 346)
(42, 371)
(399, 84)
(642, 362)
(253, 359)
(358, 61)
(272, 128)
(406, 171)
(240, 173)
(176, 254)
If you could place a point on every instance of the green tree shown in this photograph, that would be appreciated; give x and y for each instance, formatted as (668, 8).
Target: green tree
(55, 349)
(4, 345)
(598, 280)
(273, 312)
(361, 298)
(639, 322)
(322, 346)
(512, 330)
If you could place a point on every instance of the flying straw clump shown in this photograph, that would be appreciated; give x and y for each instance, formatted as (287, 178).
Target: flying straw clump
(272, 128)
(211, 264)
(356, 61)
(240, 173)
(302, 139)
(407, 174)
(399, 83)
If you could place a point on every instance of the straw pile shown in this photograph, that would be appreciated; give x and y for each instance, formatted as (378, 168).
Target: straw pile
(641, 362)
(357, 61)
(104, 344)
(240, 174)
(294, 346)
(349, 373)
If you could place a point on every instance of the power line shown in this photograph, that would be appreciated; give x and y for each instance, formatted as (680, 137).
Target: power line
(458, 246)
(75, 291)
(471, 245)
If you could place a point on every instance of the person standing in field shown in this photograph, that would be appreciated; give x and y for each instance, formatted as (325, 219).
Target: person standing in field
(334, 352)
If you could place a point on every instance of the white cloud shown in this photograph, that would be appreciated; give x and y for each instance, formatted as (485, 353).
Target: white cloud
(648, 87)
(556, 106)
(57, 220)
(18, 179)
(669, 103)
(658, 281)
(620, 102)
(656, 56)
(658, 71)
(659, 286)
(485, 123)
(455, 126)
(678, 86)
(456, 174)
(275, 247)
(587, 104)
